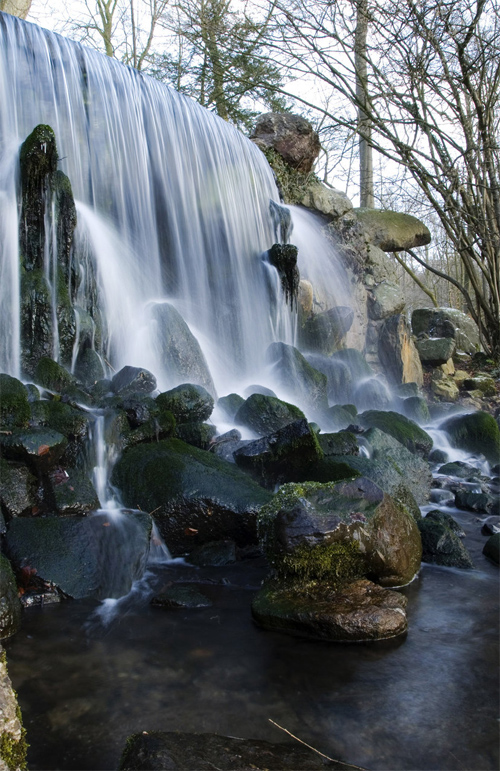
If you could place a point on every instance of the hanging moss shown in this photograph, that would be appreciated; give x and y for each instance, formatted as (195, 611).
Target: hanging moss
(292, 184)
(284, 259)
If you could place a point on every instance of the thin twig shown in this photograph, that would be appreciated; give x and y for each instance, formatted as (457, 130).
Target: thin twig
(312, 748)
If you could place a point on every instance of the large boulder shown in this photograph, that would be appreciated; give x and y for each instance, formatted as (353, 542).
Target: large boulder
(339, 532)
(188, 403)
(286, 455)
(181, 353)
(442, 546)
(406, 431)
(393, 231)
(290, 136)
(196, 497)
(333, 203)
(39, 448)
(159, 751)
(266, 414)
(476, 432)
(13, 746)
(435, 350)
(99, 556)
(10, 606)
(397, 352)
(359, 611)
(447, 322)
(296, 377)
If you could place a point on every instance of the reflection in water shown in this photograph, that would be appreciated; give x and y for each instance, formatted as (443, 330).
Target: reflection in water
(424, 701)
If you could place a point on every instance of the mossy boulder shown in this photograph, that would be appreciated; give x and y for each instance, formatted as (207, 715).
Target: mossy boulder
(446, 519)
(53, 376)
(339, 532)
(442, 546)
(13, 746)
(296, 377)
(230, 405)
(70, 421)
(285, 455)
(188, 403)
(358, 611)
(198, 434)
(476, 432)
(482, 383)
(17, 489)
(337, 418)
(392, 231)
(10, 605)
(89, 368)
(404, 430)
(14, 403)
(266, 414)
(339, 443)
(96, 557)
(196, 496)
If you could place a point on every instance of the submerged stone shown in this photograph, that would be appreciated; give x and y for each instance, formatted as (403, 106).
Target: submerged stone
(214, 554)
(442, 546)
(162, 751)
(359, 611)
(178, 596)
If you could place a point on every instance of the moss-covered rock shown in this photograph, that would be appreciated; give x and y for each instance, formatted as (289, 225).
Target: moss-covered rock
(230, 405)
(198, 434)
(53, 376)
(188, 403)
(13, 746)
(373, 393)
(393, 231)
(130, 381)
(337, 532)
(405, 431)
(482, 383)
(477, 432)
(266, 414)
(286, 455)
(446, 519)
(442, 546)
(337, 418)
(14, 404)
(358, 611)
(89, 368)
(340, 443)
(196, 496)
(10, 605)
(70, 421)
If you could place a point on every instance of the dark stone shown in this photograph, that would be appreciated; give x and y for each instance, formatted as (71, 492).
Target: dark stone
(40, 448)
(230, 404)
(89, 368)
(476, 432)
(130, 381)
(181, 353)
(161, 751)
(290, 136)
(214, 554)
(359, 611)
(226, 444)
(14, 404)
(198, 434)
(178, 596)
(94, 556)
(285, 455)
(405, 431)
(438, 456)
(196, 496)
(324, 332)
(53, 376)
(17, 489)
(337, 418)
(481, 502)
(442, 546)
(296, 376)
(447, 322)
(70, 421)
(491, 548)
(266, 414)
(338, 533)
(73, 493)
(459, 469)
(284, 258)
(139, 409)
(491, 525)
(435, 350)
(188, 403)
(10, 606)
(340, 443)
(447, 520)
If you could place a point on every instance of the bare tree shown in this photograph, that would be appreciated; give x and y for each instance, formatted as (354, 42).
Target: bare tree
(433, 69)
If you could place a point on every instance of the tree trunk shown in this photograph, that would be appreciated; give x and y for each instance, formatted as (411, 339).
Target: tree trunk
(364, 125)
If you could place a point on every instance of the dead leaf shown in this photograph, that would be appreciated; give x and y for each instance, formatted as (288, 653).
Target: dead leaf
(43, 449)
(190, 531)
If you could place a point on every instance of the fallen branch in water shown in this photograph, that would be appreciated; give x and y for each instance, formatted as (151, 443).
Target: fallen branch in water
(312, 748)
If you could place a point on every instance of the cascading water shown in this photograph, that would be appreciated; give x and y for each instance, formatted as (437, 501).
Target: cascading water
(172, 202)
